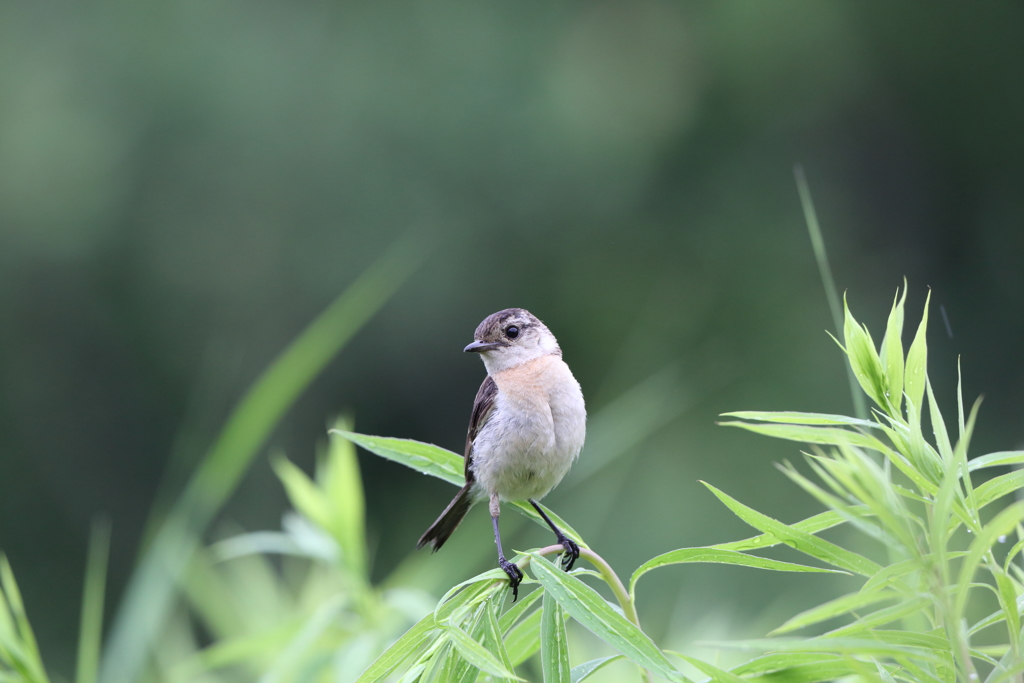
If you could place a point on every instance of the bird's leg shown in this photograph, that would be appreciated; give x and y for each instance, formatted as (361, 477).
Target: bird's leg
(572, 551)
(515, 575)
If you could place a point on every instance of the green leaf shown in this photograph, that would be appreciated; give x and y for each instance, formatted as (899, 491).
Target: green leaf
(493, 636)
(1001, 524)
(718, 675)
(997, 487)
(851, 646)
(831, 436)
(892, 354)
(303, 493)
(554, 650)
(832, 609)
(802, 541)
(422, 457)
(1008, 601)
(795, 418)
(90, 633)
(718, 556)
(860, 349)
(476, 654)
(22, 646)
(524, 639)
(516, 611)
(811, 525)
(583, 671)
(402, 648)
(880, 617)
(996, 460)
(343, 487)
(938, 424)
(917, 364)
(781, 661)
(586, 606)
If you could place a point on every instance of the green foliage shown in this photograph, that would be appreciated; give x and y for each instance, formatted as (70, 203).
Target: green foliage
(923, 611)
(19, 654)
(881, 476)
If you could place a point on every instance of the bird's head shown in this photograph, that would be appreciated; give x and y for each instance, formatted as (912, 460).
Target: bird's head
(511, 337)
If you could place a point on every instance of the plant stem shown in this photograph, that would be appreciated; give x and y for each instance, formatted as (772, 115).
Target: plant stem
(613, 581)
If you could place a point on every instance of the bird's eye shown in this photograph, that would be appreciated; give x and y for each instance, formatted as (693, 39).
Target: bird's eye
(511, 331)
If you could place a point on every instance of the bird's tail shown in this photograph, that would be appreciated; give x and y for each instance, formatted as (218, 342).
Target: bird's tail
(440, 530)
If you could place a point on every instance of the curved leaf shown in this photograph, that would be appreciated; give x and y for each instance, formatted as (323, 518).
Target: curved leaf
(718, 556)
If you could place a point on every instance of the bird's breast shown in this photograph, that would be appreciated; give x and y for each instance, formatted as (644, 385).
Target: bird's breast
(535, 432)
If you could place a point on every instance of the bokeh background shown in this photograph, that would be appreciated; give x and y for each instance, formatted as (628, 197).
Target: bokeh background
(185, 185)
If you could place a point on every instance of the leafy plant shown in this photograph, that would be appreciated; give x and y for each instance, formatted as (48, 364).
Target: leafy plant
(910, 620)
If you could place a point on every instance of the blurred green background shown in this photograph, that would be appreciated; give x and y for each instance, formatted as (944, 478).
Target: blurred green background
(185, 185)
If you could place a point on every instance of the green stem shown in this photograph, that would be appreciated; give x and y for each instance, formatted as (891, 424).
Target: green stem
(613, 581)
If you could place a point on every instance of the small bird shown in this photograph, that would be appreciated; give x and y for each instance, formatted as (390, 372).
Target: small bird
(527, 427)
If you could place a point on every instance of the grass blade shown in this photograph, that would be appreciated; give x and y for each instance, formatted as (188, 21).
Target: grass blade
(860, 407)
(90, 632)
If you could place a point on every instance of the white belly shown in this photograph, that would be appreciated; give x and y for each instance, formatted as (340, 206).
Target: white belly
(534, 434)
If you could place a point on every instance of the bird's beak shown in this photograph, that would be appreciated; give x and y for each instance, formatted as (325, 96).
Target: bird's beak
(480, 346)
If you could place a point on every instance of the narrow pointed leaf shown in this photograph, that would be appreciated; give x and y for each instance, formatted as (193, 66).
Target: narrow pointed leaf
(493, 639)
(892, 354)
(524, 639)
(833, 609)
(343, 487)
(917, 363)
(804, 542)
(516, 611)
(880, 618)
(811, 525)
(422, 457)
(717, 556)
(716, 674)
(583, 671)
(554, 650)
(860, 349)
(90, 635)
(402, 648)
(796, 418)
(997, 487)
(996, 460)
(477, 655)
(586, 606)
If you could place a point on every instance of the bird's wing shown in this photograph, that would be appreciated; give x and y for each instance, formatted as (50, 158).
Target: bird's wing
(483, 406)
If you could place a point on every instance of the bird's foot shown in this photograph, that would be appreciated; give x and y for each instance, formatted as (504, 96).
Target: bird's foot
(515, 575)
(571, 554)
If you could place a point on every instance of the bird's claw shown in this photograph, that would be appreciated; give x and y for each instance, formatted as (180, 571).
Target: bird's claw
(515, 575)
(571, 554)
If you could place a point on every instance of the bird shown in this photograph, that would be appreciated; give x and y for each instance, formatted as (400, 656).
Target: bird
(526, 429)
